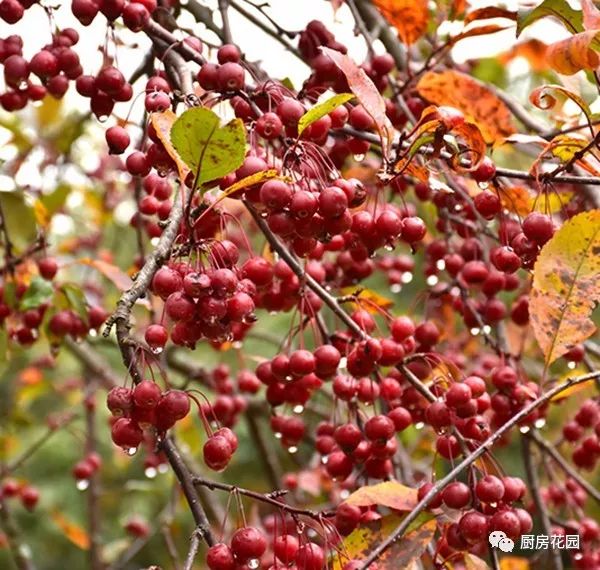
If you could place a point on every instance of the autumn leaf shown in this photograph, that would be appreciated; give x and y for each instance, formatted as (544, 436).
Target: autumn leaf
(409, 17)
(566, 286)
(209, 149)
(489, 12)
(401, 554)
(76, 534)
(120, 279)
(251, 180)
(367, 299)
(389, 494)
(363, 87)
(162, 123)
(514, 563)
(574, 388)
(547, 96)
(591, 15)
(478, 103)
(575, 53)
(532, 49)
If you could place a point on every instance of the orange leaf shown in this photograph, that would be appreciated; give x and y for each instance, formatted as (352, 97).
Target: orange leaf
(390, 494)
(490, 12)
(474, 100)
(409, 17)
(575, 53)
(162, 123)
(72, 531)
(477, 31)
(367, 299)
(363, 87)
(111, 272)
(573, 389)
(516, 199)
(547, 96)
(566, 287)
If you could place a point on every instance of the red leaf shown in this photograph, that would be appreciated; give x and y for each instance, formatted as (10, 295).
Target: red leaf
(366, 92)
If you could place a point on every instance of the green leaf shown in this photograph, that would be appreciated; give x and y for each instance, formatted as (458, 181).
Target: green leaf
(322, 109)
(54, 201)
(39, 291)
(20, 219)
(560, 9)
(206, 147)
(76, 300)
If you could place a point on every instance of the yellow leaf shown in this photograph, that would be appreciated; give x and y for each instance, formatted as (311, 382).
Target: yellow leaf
(566, 286)
(71, 530)
(42, 217)
(367, 299)
(514, 563)
(409, 17)
(162, 123)
(401, 554)
(575, 388)
(476, 101)
(389, 494)
(251, 180)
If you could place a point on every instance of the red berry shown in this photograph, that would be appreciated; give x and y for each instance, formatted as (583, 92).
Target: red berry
(538, 227)
(220, 557)
(146, 394)
(217, 452)
(456, 495)
(248, 543)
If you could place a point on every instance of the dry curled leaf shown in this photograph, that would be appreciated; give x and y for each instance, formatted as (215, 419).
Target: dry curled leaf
(120, 279)
(478, 103)
(489, 12)
(546, 97)
(566, 287)
(409, 17)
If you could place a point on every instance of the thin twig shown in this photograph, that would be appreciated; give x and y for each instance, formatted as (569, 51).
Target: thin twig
(534, 487)
(564, 465)
(193, 551)
(20, 552)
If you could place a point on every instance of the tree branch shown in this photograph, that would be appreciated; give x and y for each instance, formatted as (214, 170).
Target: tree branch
(469, 460)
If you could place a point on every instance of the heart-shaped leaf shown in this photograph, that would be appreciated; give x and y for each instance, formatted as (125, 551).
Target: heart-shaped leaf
(207, 148)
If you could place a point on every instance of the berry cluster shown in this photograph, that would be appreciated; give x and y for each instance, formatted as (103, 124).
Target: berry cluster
(28, 494)
(143, 407)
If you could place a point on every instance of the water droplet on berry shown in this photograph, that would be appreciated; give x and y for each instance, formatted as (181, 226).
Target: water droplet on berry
(571, 365)
(289, 378)
(475, 331)
(156, 349)
(293, 449)
(82, 484)
(359, 157)
(131, 451)
(419, 425)
(324, 459)
(483, 185)
(396, 288)
(163, 468)
(493, 505)
(298, 409)
(253, 563)
(344, 494)
(524, 429)
(432, 280)
(540, 423)
(277, 435)
(441, 264)
(93, 333)
(154, 241)
(407, 277)
(150, 472)
(388, 247)
(343, 362)
(238, 344)
(103, 118)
